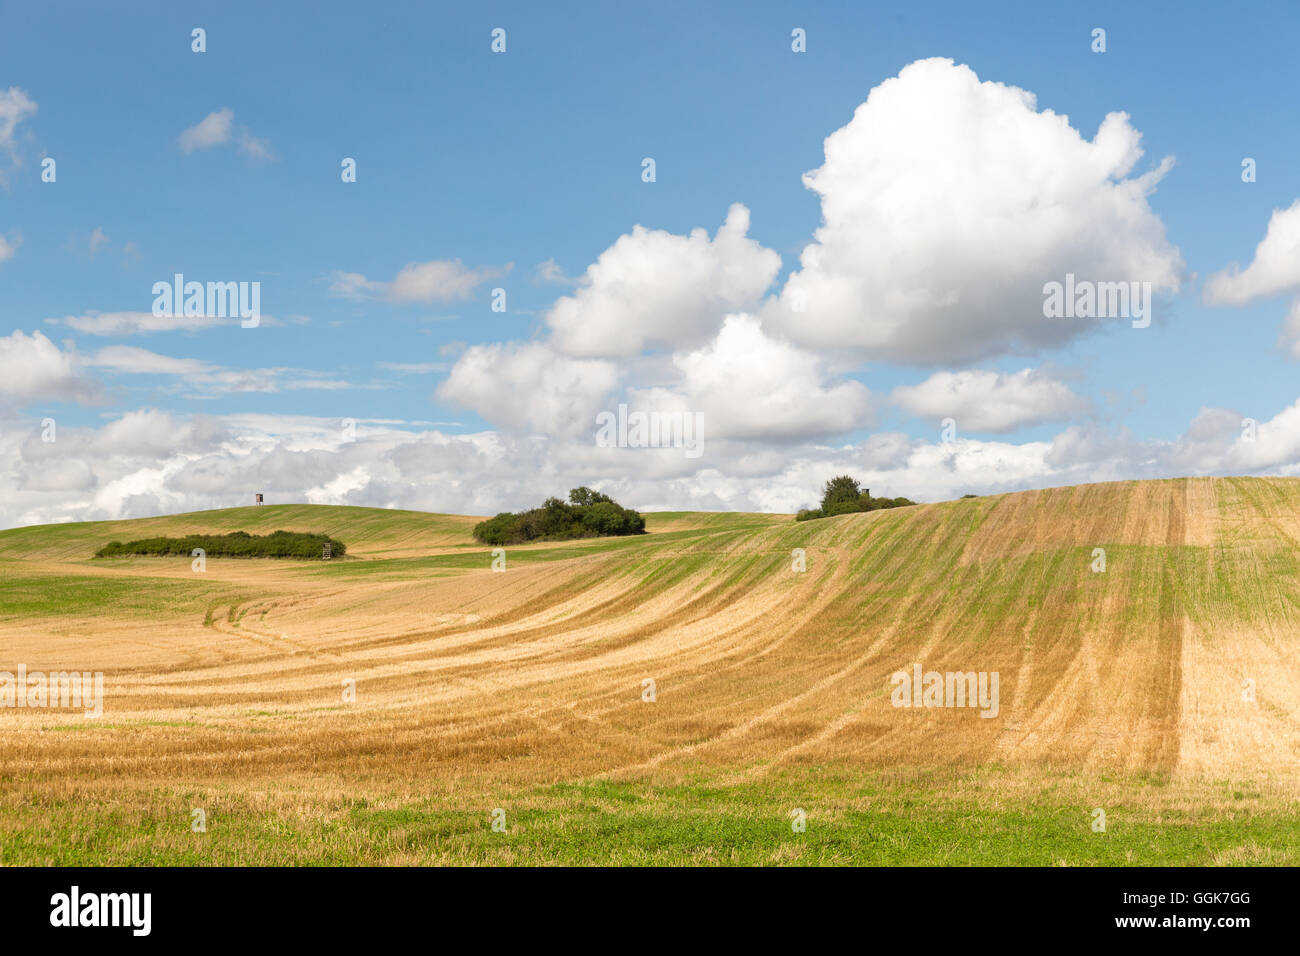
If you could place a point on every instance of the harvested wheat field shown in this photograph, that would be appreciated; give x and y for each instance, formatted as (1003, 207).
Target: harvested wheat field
(392, 706)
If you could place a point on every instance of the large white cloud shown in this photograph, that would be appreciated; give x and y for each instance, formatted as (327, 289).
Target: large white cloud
(652, 288)
(948, 203)
(986, 401)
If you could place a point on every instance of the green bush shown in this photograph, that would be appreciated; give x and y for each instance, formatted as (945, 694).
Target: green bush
(844, 495)
(587, 514)
(236, 544)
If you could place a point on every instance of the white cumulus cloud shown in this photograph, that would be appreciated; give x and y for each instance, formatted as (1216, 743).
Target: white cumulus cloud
(1275, 270)
(530, 386)
(653, 288)
(32, 368)
(948, 203)
(749, 385)
(986, 401)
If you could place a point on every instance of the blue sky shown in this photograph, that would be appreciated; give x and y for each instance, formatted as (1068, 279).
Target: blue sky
(506, 161)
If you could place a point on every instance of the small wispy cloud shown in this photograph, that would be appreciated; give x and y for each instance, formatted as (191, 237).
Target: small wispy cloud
(9, 246)
(257, 148)
(218, 128)
(212, 130)
(15, 106)
(550, 273)
(416, 368)
(137, 361)
(98, 239)
(206, 379)
(439, 280)
(145, 323)
(136, 323)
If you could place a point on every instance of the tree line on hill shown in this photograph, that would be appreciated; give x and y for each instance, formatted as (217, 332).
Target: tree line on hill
(844, 495)
(587, 514)
(236, 544)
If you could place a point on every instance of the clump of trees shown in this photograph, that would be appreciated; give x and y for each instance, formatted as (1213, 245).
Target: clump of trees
(843, 495)
(587, 514)
(237, 544)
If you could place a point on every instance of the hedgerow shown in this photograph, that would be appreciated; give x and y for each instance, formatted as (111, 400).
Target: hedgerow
(236, 544)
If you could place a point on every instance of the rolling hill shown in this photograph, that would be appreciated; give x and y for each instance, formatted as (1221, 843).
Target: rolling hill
(1164, 690)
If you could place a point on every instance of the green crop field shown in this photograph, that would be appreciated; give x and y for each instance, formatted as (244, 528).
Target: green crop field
(719, 690)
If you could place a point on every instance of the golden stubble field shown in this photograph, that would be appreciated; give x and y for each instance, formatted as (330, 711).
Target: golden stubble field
(378, 708)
